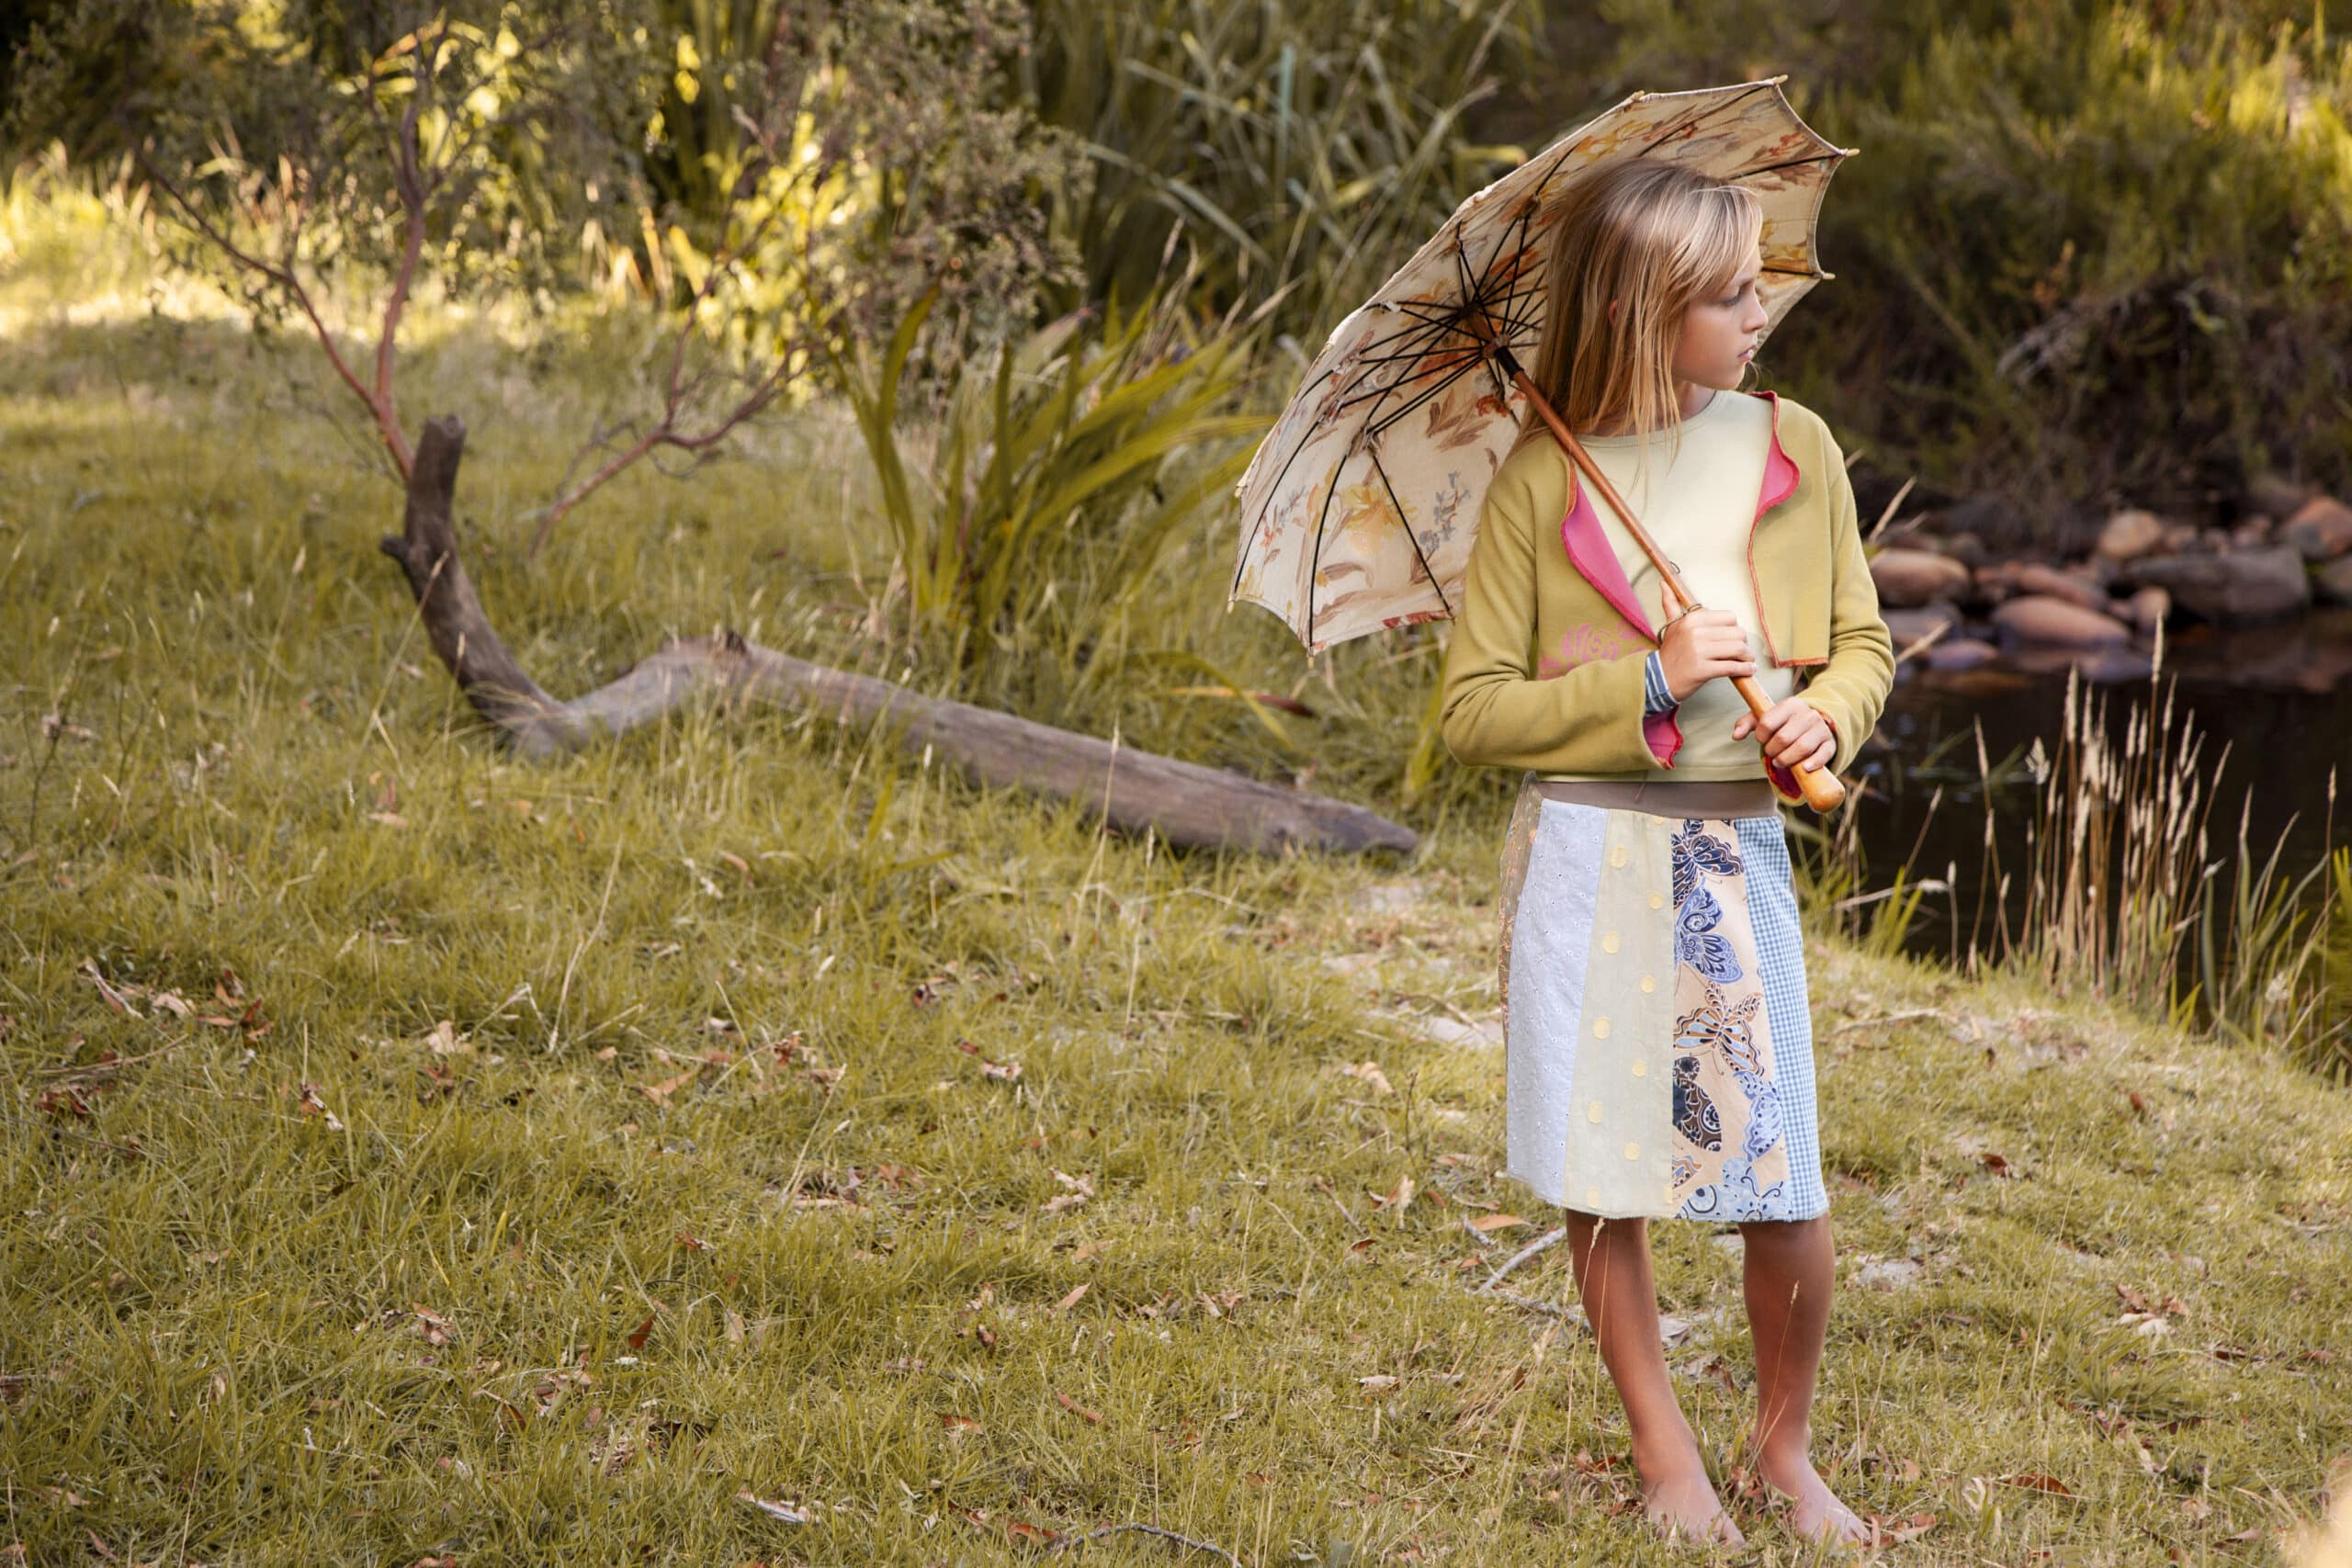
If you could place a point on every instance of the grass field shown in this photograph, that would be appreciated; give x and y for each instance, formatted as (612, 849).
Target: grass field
(411, 1155)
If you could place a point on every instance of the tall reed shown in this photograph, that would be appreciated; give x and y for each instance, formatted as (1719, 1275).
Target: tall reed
(2123, 895)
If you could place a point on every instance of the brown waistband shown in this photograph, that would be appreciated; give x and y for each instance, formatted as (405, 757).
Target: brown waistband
(1668, 797)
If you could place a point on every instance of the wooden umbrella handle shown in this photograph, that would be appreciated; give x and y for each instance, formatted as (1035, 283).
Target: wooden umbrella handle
(1823, 789)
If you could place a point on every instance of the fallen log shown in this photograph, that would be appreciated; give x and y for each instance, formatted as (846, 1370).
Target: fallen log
(1184, 803)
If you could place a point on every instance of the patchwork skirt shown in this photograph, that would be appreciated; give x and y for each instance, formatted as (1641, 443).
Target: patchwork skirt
(1657, 1037)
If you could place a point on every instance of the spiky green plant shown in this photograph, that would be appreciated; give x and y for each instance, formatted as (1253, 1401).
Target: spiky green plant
(1075, 456)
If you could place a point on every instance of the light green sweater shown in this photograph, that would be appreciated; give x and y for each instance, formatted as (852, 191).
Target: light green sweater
(1544, 670)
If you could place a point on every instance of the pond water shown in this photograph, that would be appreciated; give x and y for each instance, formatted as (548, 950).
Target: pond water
(2279, 698)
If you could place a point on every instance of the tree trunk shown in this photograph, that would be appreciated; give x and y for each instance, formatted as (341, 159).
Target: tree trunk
(1187, 803)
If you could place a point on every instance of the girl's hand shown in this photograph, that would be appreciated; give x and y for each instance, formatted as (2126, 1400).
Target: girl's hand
(1699, 647)
(1793, 732)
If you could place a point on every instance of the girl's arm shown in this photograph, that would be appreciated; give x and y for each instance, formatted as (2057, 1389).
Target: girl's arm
(1494, 710)
(1851, 690)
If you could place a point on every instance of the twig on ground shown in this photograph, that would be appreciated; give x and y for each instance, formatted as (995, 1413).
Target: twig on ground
(1548, 1239)
(1549, 1309)
(1888, 1018)
(80, 1069)
(1210, 1546)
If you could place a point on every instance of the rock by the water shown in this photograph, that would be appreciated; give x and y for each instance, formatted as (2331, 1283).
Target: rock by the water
(2242, 587)
(1908, 579)
(2057, 623)
(2321, 530)
(2148, 608)
(2113, 662)
(2276, 494)
(2035, 577)
(2252, 531)
(1960, 654)
(1908, 627)
(2130, 534)
(2333, 583)
(1966, 549)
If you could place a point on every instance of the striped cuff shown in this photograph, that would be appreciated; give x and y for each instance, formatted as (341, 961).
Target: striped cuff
(1657, 696)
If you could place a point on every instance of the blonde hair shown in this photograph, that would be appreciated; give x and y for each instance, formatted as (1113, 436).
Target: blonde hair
(1656, 236)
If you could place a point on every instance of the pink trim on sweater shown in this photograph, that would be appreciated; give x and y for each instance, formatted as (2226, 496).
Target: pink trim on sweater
(1778, 466)
(1589, 552)
(1665, 735)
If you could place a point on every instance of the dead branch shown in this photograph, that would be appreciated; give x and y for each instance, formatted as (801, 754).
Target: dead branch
(1184, 803)
(1066, 1542)
(780, 111)
(1548, 1239)
(379, 409)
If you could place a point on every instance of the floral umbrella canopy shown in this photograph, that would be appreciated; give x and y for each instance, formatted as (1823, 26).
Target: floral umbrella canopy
(1359, 508)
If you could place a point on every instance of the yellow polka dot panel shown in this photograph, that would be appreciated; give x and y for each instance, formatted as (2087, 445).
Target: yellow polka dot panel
(1637, 937)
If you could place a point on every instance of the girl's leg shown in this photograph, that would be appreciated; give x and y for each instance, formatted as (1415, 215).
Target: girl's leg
(1611, 1260)
(1790, 1267)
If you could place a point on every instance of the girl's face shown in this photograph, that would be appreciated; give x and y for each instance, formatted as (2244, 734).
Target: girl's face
(1720, 333)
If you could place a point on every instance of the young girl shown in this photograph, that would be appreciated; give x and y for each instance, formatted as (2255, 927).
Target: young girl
(1658, 1054)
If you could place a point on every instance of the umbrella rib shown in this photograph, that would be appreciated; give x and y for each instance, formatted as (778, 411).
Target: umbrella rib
(1241, 567)
(1795, 271)
(1790, 163)
(1373, 394)
(1315, 560)
(1700, 118)
(1410, 537)
(1454, 373)
(1385, 421)
(1525, 219)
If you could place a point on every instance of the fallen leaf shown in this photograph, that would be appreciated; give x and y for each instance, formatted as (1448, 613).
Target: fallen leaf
(2034, 1481)
(1021, 1531)
(1489, 1223)
(1368, 1073)
(431, 1324)
(1091, 1418)
(388, 818)
(310, 1104)
(1895, 1530)
(173, 1003)
(1073, 1299)
(641, 1333)
(1997, 1164)
(786, 1512)
(1078, 1189)
(734, 1326)
(1378, 1381)
(658, 1093)
(115, 999)
(958, 1424)
(1398, 1197)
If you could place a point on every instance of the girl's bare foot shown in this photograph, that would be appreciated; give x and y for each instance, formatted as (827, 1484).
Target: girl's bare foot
(1681, 1501)
(1815, 1512)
